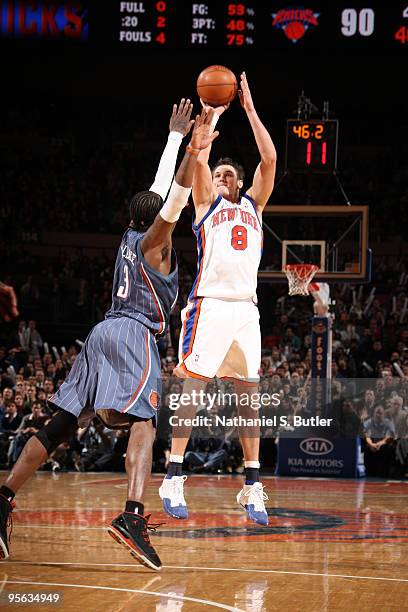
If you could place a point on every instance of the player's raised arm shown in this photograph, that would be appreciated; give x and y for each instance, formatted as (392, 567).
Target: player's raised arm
(203, 190)
(264, 176)
(156, 244)
(179, 126)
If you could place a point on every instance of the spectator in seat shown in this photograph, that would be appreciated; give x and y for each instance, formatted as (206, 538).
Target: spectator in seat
(295, 384)
(397, 415)
(19, 402)
(39, 378)
(31, 397)
(30, 425)
(379, 390)
(34, 340)
(350, 422)
(60, 370)
(276, 359)
(208, 447)
(21, 338)
(9, 424)
(51, 371)
(379, 434)
(97, 441)
(48, 387)
(401, 451)
(264, 385)
(8, 395)
(366, 409)
(29, 292)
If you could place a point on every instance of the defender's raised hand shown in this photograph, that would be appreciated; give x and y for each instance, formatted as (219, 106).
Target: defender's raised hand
(203, 134)
(245, 94)
(180, 120)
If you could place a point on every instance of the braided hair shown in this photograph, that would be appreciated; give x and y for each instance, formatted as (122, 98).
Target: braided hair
(143, 209)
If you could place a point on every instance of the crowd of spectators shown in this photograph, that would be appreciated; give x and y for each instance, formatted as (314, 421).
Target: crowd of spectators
(369, 385)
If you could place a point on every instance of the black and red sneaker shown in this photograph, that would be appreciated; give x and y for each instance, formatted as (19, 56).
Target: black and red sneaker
(131, 530)
(6, 508)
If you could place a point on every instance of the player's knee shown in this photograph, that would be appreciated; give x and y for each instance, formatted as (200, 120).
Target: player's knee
(147, 426)
(60, 429)
(143, 431)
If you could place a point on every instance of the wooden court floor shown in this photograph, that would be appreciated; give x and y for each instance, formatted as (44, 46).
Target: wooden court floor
(330, 545)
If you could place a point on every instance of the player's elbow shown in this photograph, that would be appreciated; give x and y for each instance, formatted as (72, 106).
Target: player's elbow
(269, 158)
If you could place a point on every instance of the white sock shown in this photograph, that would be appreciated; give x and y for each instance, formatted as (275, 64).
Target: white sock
(176, 458)
(252, 464)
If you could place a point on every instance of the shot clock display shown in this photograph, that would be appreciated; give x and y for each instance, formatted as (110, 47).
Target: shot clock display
(311, 145)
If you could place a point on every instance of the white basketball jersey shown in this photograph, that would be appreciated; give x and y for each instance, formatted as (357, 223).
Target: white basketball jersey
(229, 245)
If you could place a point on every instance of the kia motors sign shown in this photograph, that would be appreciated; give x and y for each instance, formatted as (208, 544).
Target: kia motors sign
(318, 456)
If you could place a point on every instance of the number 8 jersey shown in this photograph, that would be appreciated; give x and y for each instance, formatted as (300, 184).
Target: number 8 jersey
(229, 245)
(139, 291)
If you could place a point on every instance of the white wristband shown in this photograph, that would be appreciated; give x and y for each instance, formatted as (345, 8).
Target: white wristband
(176, 201)
(176, 136)
(165, 171)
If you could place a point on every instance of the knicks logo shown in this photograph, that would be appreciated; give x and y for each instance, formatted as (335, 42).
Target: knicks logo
(154, 399)
(295, 21)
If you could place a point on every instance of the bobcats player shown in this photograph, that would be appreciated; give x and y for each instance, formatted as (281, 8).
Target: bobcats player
(117, 372)
(221, 334)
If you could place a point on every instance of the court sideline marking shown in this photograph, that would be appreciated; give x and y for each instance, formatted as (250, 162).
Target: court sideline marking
(212, 569)
(206, 602)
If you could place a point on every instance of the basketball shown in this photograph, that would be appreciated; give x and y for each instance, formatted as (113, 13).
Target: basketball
(217, 85)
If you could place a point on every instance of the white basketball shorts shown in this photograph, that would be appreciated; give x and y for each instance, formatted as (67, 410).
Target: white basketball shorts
(220, 338)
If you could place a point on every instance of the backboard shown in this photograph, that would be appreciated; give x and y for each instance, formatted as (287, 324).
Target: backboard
(333, 237)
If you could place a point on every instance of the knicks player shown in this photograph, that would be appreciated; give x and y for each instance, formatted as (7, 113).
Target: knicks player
(220, 334)
(117, 373)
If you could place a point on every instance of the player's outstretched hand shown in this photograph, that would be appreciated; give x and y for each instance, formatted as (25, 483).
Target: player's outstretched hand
(8, 302)
(203, 134)
(321, 294)
(180, 120)
(245, 94)
(218, 110)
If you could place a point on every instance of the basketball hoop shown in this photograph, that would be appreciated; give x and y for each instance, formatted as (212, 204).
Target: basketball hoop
(299, 277)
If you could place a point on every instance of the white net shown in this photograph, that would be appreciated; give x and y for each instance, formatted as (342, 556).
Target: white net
(299, 277)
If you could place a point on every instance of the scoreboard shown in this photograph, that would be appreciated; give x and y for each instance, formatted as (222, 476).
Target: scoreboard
(320, 27)
(263, 24)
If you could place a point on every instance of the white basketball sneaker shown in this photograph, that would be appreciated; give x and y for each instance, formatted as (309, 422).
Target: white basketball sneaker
(172, 494)
(252, 498)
